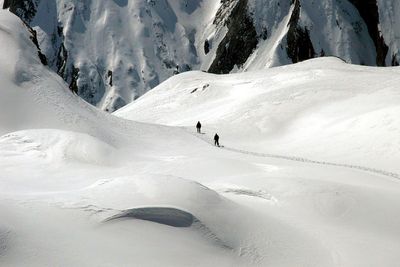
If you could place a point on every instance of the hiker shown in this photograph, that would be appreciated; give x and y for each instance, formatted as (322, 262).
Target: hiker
(216, 140)
(198, 127)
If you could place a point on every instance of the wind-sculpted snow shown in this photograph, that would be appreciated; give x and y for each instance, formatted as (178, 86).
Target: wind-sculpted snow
(163, 215)
(171, 217)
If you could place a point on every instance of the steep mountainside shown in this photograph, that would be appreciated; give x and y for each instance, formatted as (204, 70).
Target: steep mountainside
(111, 52)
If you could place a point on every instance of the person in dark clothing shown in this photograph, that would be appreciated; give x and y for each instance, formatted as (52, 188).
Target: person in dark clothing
(216, 140)
(198, 127)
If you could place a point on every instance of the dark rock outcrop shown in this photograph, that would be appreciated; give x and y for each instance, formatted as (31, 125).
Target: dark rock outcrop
(110, 77)
(74, 80)
(61, 60)
(25, 9)
(34, 39)
(299, 46)
(240, 40)
(206, 47)
(368, 10)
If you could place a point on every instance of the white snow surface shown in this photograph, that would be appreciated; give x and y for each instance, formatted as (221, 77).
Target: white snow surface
(72, 178)
(319, 109)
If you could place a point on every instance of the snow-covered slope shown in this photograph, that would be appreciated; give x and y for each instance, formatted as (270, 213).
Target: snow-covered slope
(80, 187)
(57, 155)
(111, 52)
(33, 96)
(322, 108)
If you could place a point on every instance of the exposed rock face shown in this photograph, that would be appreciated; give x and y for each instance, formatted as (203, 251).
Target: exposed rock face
(25, 9)
(299, 46)
(74, 80)
(34, 39)
(111, 52)
(61, 60)
(206, 47)
(368, 10)
(239, 42)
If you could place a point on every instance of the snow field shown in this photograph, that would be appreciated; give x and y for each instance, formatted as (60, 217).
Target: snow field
(76, 184)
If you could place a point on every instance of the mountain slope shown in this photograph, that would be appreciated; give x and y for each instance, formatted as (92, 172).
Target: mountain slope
(55, 148)
(111, 52)
(321, 108)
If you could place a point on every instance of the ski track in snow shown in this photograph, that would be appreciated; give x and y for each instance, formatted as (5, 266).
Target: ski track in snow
(205, 138)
